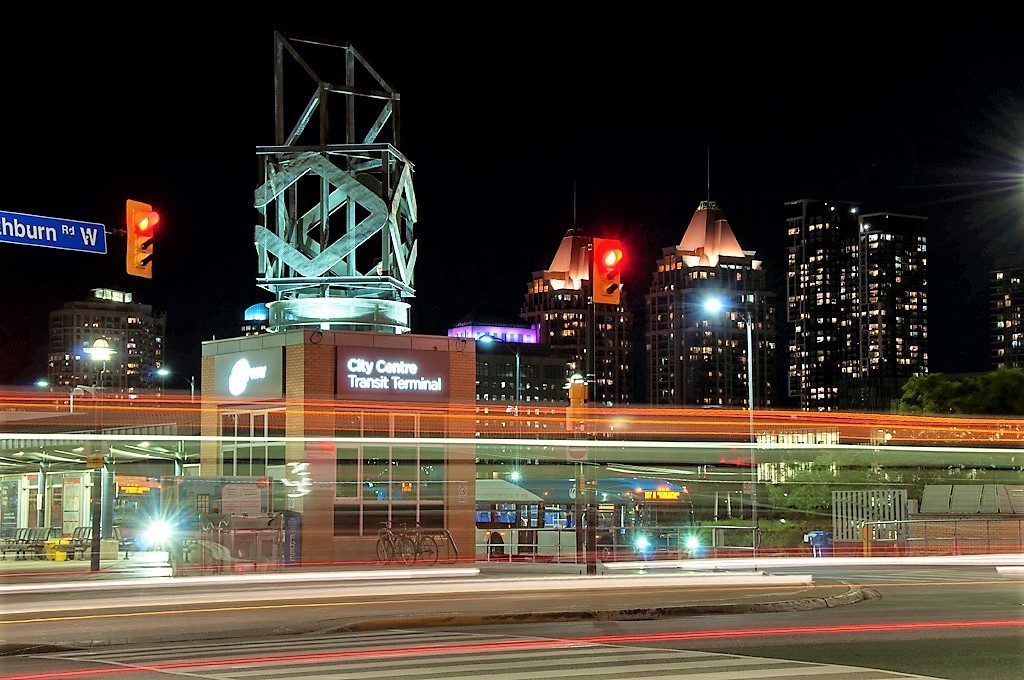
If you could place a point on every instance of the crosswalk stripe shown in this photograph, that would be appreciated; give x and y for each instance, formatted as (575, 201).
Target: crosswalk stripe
(543, 658)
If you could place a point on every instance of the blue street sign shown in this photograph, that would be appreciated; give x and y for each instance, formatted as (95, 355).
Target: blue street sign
(52, 232)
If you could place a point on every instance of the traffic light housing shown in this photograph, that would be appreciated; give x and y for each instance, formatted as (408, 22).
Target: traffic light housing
(606, 270)
(140, 221)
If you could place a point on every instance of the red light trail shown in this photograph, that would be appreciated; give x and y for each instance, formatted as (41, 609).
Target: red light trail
(424, 650)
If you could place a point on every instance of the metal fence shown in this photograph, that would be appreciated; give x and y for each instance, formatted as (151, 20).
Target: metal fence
(957, 536)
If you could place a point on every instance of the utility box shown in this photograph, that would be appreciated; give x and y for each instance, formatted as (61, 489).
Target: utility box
(821, 542)
(292, 549)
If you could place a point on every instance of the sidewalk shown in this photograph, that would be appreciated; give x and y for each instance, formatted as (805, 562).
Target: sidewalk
(139, 567)
(608, 595)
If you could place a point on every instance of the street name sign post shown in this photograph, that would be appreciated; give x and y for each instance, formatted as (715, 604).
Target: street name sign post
(52, 232)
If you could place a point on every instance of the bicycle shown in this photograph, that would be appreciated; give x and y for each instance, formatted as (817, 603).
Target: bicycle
(391, 543)
(422, 544)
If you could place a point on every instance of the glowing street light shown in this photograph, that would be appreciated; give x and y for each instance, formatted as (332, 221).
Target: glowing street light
(487, 340)
(43, 383)
(163, 372)
(99, 351)
(713, 306)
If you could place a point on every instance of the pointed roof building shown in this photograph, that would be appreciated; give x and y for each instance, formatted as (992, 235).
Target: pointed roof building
(596, 338)
(708, 237)
(695, 357)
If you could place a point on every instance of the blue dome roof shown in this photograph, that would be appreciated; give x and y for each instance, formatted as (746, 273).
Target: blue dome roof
(257, 312)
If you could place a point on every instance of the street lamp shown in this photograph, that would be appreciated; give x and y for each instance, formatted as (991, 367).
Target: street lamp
(163, 372)
(487, 340)
(44, 383)
(99, 351)
(714, 305)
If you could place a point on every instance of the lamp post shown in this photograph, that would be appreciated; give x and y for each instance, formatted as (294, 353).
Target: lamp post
(714, 305)
(487, 340)
(99, 351)
(163, 372)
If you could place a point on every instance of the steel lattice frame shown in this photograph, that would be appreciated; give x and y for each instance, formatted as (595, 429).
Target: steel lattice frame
(354, 269)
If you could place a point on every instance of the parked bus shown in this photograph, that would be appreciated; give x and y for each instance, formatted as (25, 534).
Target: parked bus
(636, 518)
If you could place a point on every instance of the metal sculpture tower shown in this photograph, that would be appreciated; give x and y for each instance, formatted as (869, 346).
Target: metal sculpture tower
(335, 240)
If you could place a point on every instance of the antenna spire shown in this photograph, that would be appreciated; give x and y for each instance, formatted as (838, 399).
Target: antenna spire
(574, 204)
(709, 174)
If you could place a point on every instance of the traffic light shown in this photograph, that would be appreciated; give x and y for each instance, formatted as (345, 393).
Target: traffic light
(140, 220)
(606, 270)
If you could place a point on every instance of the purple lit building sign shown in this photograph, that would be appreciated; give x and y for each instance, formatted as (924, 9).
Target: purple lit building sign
(520, 334)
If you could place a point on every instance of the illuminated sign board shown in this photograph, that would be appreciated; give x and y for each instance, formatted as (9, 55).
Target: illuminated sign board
(52, 232)
(661, 495)
(386, 374)
(255, 374)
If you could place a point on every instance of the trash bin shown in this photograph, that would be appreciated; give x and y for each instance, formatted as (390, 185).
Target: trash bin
(57, 549)
(821, 542)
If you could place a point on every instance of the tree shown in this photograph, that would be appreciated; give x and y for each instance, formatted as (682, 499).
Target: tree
(806, 493)
(932, 393)
(1000, 392)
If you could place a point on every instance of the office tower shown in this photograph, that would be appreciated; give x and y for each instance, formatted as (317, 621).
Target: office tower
(595, 336)
(132, 330)
(857, 305)
(697, 355)
(1006, 302)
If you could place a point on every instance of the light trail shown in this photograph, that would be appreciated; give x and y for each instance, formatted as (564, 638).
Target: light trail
(710, 564)
(241, 579)
(479, 587)
(517, 645)
(699, 424)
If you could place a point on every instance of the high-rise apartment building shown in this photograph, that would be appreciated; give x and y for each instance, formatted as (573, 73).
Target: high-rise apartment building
(596, 337)
(857, 304)
(1006, 304)
(132, 330)
(696, 356)
(820, 298)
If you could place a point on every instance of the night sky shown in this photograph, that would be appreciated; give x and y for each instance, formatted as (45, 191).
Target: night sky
(504, 125)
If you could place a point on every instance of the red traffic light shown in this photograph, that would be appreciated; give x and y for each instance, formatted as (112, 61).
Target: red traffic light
(146, 221)
(140, 218)
(606, 270)
(611, 258)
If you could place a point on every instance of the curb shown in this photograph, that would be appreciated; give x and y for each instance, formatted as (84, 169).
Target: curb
(645, 614)
(852, 596)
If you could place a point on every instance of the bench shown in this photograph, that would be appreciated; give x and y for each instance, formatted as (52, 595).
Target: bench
(125, 543)
(26, 541)
(13, 543)
(81, 542)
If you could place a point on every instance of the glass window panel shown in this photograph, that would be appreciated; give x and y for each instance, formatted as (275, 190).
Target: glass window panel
(346, 520)
(431, 473)
(404, 473)
(346, 473)
(376, 473)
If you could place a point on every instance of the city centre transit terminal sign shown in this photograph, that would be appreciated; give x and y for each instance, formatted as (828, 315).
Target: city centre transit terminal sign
(52, 232)
(386, 374)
